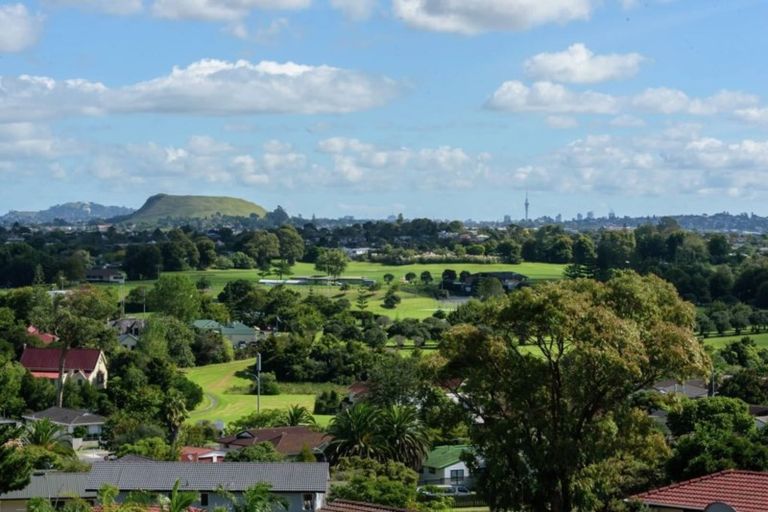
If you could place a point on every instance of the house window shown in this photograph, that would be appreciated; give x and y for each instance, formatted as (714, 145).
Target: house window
(432, 471)
(457, 476)
(203, 499)
(308, 502)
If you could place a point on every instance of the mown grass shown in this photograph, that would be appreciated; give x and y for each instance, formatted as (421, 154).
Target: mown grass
(718, 342)
(220, 404)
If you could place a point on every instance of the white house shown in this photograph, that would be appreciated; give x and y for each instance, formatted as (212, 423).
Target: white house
(444, 466)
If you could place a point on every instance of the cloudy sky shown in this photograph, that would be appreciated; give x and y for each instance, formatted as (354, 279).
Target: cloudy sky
(439, 108)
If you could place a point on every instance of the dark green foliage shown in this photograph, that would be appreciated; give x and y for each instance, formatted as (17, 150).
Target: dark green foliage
(327, 402)
(259, 452)
(15, 466)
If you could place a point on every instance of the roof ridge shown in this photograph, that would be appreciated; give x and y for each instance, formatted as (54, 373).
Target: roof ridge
(703, 478)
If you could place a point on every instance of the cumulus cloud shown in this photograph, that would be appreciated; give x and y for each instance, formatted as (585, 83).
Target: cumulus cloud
(562, 122)
(475, 16)
(664, 100)
(19, 29)
(357, 10)
(219, 10)
(206, 87)
(515, 96)
(119, 7)
(578, 64)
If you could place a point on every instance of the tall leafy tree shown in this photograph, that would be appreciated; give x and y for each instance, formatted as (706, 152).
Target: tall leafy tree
(332, 261)
(15, 466)
(177, 296)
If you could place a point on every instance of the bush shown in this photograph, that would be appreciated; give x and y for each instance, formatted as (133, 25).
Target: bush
(269, 385)
(327, 402)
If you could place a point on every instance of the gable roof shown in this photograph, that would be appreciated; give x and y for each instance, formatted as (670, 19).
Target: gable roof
(745, 491)
(67, 416)
(45, 337)
(357, 506)
(47, 359)
(444, 456)
(206, 324)
(53, 484)
(286, 440)
(233, 476)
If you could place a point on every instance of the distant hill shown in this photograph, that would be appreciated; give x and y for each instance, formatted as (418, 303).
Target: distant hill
(69, 212)
(163, 206)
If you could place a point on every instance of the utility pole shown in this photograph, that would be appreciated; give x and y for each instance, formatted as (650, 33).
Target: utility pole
(258, 382)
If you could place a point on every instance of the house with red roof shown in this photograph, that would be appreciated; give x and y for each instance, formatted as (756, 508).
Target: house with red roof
(205, 455)
(730, 490)
(80, 364)
(45, 337)
(289, 441)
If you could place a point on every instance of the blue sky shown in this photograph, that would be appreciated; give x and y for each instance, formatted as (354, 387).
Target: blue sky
(439, 108)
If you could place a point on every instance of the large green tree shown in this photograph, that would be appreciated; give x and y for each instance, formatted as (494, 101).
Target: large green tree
(177, 296)
(539, 414)
(332, 261)
(15, 466)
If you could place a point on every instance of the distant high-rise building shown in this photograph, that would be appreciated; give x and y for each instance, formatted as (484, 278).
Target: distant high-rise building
(579, 216)
(559, 218)
(590, 215)
(507, 219)
(527, 205)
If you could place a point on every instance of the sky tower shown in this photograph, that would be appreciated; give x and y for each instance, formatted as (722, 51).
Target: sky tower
(527, 205)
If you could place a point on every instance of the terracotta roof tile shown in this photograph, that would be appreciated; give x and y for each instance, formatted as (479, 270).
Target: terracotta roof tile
(286, 440)
(744, 491)
(358, 506)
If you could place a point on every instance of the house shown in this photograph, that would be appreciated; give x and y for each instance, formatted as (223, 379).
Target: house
(84, 427)
(302, 485)
(239, 334)
(206, 455)
(509, 281)
(59, 488)
(694, 388)
(81, 364)
(358, 506)
(132, 326)
(44, 337)
(128, 341)
(104, 275)
(289, 441)
(357, 392)
(444, 466)
(734, 490)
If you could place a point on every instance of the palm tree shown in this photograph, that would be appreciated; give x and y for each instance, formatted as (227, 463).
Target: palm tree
(298, 415)
(355, 432)
(405, 436)
(257, 498)
(48, 436)
(179, 501)
(175, 411)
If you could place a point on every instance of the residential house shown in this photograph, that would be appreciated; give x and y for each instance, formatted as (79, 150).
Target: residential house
(509, 281)
(105, 275)
(357, 392)
(205, 455)
(59, 488)
(289, 441)
(44, 337)
(132, 326)
(303, 486)
(239, 334)
(128, 341)
(694, 388)
(444, 466)
(80, 364)
(729, 490)
(85, 428)
(358, 506)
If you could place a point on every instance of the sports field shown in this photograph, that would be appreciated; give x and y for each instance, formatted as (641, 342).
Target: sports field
(226, 400)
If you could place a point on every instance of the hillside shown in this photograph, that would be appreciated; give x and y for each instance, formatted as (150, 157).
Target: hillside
(69, 212)
(163, 206)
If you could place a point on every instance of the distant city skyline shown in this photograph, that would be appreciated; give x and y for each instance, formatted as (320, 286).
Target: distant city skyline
(377, 107)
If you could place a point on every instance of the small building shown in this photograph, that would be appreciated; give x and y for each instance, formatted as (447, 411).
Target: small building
(44, 337)
(80, 364)
(693, 388)
(303, 486)
(132, 326)
(84, 427)
(444, 466)
(509, 281)
(735, 490)
(105, 275)
(239, 334)
(128, 341)
(289, 441)
(59, 488)
(205, 455)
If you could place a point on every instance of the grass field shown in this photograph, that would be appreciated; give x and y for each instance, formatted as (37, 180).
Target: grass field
(761, 339)
(220, 403)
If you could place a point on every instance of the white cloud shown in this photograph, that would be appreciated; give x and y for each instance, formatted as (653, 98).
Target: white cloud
(578, 64)
(357, 10)
(19, 29)
(627, 121)
(664, 100)
(206, 87)
(475, 16)
(119, 7)
(756, 115)
(562, 122)
(515, 96)
(220, 10)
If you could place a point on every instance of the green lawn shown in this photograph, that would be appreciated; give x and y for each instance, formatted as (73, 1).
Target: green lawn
(220, 404)
(761, 339)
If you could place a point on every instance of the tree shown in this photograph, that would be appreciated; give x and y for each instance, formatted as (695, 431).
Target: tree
(426, 277)
(256, 499)
(297, 415)
(282, 268)
(175, 295)
(362, 299)
(390, 484)
(262, 246)
(489, 287)
(175, 412)
(410, 277)
(15, 467)
(388, 278)
(259, 452)
(332, 261)
(180, 501)
(291, 244)
(536, 424)
(207, 251)
(47, 443)
(355, 433)
(747, 385)
(404, 435)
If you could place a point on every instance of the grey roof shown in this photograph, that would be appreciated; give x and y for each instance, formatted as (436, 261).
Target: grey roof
(67, 416)
(53, 485)
(233, 476)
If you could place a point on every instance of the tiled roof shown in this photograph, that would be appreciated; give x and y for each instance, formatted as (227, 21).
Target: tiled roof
(443, 456)
(286, 440)
(45, 337)
(233, 476)
(357, 506)
(55, 485)
(68, 416)
(47, 359)
(744, 491)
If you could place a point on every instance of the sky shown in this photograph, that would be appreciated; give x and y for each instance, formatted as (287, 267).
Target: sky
(429, 108)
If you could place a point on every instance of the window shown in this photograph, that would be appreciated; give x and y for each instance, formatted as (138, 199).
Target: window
(432, 471)
(457, 476)
(308, 502)
(203, 499)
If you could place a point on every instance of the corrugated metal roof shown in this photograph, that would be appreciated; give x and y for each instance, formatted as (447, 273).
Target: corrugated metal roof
(53, 485)
(232, 476)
